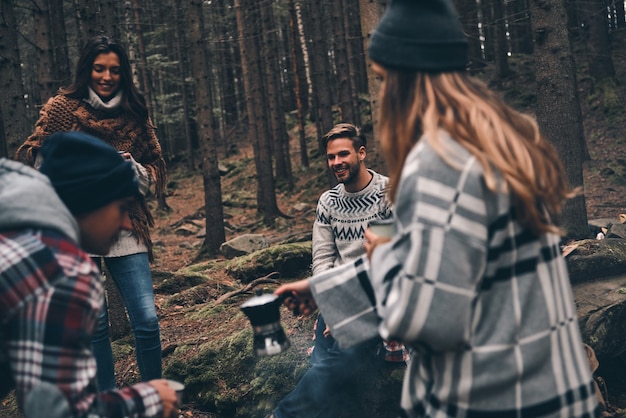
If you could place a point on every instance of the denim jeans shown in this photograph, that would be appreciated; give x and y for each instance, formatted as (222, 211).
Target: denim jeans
(133, 279)
(334, 384)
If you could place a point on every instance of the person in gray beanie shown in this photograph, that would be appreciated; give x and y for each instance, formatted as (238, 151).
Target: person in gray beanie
(473, 281)
(50, 289)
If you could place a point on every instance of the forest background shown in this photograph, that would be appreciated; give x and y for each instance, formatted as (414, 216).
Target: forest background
(247, 86)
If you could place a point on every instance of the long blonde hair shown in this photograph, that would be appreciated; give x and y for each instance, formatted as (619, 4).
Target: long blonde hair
(415, 104)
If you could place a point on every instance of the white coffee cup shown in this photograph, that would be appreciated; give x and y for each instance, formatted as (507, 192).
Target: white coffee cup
(382, 227)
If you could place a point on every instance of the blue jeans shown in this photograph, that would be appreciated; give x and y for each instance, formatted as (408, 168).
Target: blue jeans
(334, 384)
(133, 279)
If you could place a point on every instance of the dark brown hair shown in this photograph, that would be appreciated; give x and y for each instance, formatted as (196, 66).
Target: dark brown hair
(133, 101)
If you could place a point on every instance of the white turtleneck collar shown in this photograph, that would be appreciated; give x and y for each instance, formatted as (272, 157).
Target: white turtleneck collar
(97, 103)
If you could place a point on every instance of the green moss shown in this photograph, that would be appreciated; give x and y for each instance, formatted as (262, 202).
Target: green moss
(289, 260)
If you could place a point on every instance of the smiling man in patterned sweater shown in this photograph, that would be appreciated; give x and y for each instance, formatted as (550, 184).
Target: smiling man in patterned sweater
(333, 386)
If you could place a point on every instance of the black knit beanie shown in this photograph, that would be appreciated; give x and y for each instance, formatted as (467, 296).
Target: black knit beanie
(86, 173)
(420, 35)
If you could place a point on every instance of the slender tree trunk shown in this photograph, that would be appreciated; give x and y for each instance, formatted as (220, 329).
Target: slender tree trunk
(356, 54)
(620, 15)
(487, 20)
(61, 69)
(201, 70)
(47, 85)
(319, 64)
(468, 14)
(598, 47)
(500, 44)
(560, 120)
(294, 42)
(274, 96)
(16, 123)
(347, 111)
(183, 70)
(371, 12)
(251, 69)
(519, 27)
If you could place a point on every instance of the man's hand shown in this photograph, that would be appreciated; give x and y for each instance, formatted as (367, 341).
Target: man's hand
(168, 397)
(299, 297)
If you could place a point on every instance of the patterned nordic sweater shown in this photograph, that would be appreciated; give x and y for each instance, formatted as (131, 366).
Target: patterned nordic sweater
(341, 220)
(486, 305)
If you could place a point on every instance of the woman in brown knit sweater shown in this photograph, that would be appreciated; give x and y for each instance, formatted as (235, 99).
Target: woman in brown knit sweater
(104, 102)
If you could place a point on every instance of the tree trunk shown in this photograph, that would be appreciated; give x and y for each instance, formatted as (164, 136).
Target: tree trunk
(620, 15)
(247, 16)
(58, 40)
(16, 123)
(598, 47)
(519, 27)
(501, 48)
(356, 54)
(560, 120)
(47, 85)
(371, 12)
(183, 70)
(294, 38)
(347, 111)
(202, 73)
(274, 95)
(317, 47)
(468, 14)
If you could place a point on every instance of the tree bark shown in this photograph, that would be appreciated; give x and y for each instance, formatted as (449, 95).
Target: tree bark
(468, 15)
(16, 123)
(202, 73)
(58, 40)
(597, 37)
(298, 64)
(47, 85)
(501, 47)
(347, 111)
(274, 97)
(183, 72)
(247, 16)
(558, 109)
(371, 12)
(320, 69)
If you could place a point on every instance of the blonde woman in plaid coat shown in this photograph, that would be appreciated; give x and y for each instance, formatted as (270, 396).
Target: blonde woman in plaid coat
(473, 280)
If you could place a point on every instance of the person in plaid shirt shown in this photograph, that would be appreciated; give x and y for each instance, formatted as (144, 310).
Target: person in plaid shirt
(473, 280)
(50, 289)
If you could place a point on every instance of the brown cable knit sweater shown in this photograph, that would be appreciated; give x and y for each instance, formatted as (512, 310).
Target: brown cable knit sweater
(62, 114)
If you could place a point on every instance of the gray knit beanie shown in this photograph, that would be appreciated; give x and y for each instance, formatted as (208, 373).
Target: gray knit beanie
(420, 35)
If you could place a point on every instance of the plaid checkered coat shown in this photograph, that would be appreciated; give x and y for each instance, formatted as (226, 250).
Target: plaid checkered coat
(485, 304)
(50, 297)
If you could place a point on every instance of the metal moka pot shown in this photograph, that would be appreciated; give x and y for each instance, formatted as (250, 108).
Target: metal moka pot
(263, 312)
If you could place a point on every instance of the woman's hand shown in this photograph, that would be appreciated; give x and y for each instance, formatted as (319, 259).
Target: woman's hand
(299, 297)
(372, 241)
